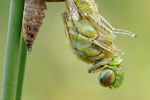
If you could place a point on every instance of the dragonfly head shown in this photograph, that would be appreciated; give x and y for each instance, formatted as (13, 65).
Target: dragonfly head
(111, 77)
(107, 78)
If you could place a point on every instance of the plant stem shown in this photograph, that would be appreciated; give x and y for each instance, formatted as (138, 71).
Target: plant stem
(21, 65)
(12, 50)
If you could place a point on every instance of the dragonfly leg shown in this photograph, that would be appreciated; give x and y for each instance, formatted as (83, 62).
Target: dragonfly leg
(123, 32)
(97, 24)
(102, 23)
(99, 65)
(114, 30)
(104, 46)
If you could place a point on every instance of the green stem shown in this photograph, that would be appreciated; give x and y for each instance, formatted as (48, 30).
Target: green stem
(12, 50)
(21, 64)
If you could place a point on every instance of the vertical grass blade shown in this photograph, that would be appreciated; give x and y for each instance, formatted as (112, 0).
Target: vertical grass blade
(21, 65)
(12, 50)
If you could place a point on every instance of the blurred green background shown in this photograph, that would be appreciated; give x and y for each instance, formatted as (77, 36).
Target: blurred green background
(54, 73)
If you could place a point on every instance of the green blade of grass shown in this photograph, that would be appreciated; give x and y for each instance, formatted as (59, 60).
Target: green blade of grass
(21, 65)
(9, 87)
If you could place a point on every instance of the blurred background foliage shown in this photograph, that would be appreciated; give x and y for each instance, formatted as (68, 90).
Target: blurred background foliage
(54, 73)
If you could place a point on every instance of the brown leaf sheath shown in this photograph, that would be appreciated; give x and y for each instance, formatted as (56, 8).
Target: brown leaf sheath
(32, 20)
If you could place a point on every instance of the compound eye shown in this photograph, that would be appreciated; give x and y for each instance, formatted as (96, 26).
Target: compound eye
(106, 78)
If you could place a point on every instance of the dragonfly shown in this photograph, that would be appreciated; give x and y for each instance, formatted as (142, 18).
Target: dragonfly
(92, 39)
